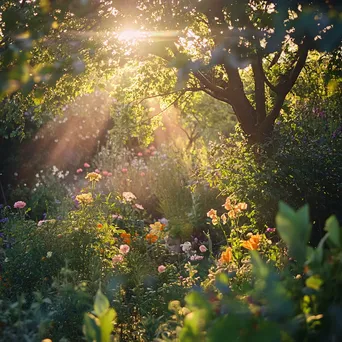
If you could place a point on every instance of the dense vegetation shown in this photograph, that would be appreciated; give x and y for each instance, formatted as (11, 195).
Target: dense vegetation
(170, 170)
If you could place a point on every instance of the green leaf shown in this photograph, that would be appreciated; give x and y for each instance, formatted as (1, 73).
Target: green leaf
(106, 323)
(314, 282)
(101, 304)
(333, 228)
(90, 328)
(294, 228)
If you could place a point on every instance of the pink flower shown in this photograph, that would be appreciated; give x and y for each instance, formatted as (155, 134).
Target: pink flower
(142, 174)
(117, 259)
(140, 154)
(115, 216)
(19, 205)
(124, 249)
(139, 206)
(124, 170)
(97, 171)
(105, 173)
(203, 249)
(86, 165)
(152, 148)
(79, 170)
(110, 174)
(153, 153)
(161, 268)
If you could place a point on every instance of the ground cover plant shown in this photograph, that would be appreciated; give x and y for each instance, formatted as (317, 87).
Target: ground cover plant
(170, 170)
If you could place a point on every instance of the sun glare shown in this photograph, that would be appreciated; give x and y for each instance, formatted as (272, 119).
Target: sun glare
(132, 35)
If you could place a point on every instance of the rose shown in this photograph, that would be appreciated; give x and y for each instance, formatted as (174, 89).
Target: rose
(19, 205)
(203, 249)
(124, 249)
(161, 268)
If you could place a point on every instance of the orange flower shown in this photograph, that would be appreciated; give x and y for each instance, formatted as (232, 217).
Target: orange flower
(224, 218)
(232, 214)
(253, 243)
(126, 238)
(226, 256)
(151, 238)
(99, 225)
(212, 214)
(228, 205)
(242, 206)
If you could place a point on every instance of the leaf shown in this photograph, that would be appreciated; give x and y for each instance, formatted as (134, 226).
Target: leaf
(294, 228)
(106, 323)
(333, 228)
(314, 282)
(90, 328)
(101, 304)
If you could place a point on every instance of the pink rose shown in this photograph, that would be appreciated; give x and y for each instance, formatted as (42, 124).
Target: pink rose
(86, 165)
(105, 173)
(124, 249)
(117, 259)
(19, 205)
(161, 268)
(79, 170)
(203, 249)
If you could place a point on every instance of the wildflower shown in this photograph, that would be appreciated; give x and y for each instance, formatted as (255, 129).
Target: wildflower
(164, 221)
(85, 198)
(227, 205)
(124, 249)
(99, 225)
(93, 177)
(124, 170)
(270, 230)
(126, 238)
(86, 165)
(196, 257)
(226, 256)
(253, 243)
(105, 173)
(117, 259)
(79, 170)
(186, 246)
(128, 196)
(142, 174)
(161, 268)
(224, 218)
(4, 220)
(49, 254)
(140, 154)
(97, 171)
(212, 213)
(156, 228)
(110, 174)
(203, 249)
(115, 216)
(19, 205)
(139, 206)
(151, 238)
(242, 206)
(232, 214)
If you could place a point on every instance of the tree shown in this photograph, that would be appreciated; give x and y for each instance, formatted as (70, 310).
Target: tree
(215, 41)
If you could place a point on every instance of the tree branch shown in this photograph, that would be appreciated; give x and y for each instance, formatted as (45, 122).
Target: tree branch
(259, 85)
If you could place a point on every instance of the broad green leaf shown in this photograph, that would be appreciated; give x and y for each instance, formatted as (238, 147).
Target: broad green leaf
(106, 323)
(314, 282)
(333, 228)
(101, 304)
(90, 328)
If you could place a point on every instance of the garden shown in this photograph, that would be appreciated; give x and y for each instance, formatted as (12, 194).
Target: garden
(170, 170)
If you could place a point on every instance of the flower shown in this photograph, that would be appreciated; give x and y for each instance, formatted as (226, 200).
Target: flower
(99, 225)
(124, 249)
(186, 246)
(79, 170)
(224, 218)
(86, 165)
(110, 174)
(212, 213)
(253, 242)
(19, 205)
(203, 249)
(49, 254)
(227, 205)
(142, 174)
(242, 206)
(124, 170)
(140, 154)
(164, 221)
(161, 268)
(85, 198)
(115, 216)
(117, 259)
(196, 257)
(105, 173)
(126, 238)
(128, 196)
(97, 171)
(93, 177)
(226, 256)
(156, 228)
(232, 214)
(151, 238)
(270, 230)
(139, 206)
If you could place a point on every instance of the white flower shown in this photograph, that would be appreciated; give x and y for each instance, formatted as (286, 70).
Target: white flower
(6, 259)
(49, 254)
(128, 196)
(196, 257)
(186, 246)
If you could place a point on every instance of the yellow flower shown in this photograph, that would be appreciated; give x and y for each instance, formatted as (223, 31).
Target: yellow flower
(232, 214)
(228, 205)
(156, 228)
(226, 256)
(253, 243)
(93, 177)
(85, 198)
(242, 206)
